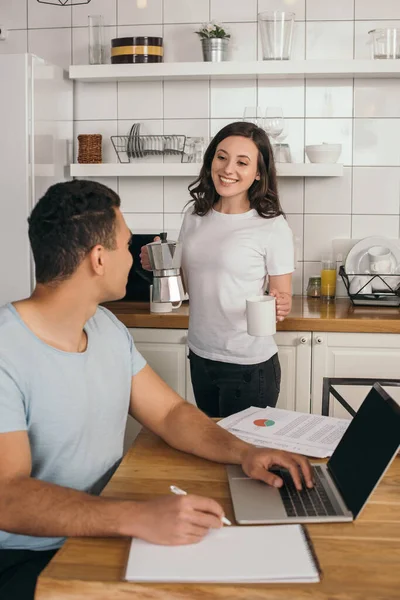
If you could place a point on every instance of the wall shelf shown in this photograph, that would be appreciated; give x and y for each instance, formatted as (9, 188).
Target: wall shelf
(291, 69)
(192, 170)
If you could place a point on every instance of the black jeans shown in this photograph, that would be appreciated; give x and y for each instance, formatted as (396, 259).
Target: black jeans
(19, 570)
(222, 389)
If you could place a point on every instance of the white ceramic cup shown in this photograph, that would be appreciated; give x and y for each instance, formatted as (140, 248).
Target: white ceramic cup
(380, 260)
(162, 307)
(261, 316)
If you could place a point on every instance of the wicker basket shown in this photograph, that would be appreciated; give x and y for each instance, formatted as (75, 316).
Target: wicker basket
(90, 148)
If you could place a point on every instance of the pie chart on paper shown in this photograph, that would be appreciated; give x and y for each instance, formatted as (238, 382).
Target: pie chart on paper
(264, 422)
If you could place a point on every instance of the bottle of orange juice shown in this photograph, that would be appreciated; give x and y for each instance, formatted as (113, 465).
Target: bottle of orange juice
(328, 278)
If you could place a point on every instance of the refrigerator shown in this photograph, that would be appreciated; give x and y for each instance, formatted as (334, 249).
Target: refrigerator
(36, 145)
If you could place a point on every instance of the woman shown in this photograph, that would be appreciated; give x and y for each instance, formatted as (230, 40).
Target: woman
(235, 240)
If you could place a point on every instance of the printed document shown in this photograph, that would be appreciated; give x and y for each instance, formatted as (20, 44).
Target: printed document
(312, 435)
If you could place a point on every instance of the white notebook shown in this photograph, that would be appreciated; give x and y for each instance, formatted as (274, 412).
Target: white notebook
(273, 554)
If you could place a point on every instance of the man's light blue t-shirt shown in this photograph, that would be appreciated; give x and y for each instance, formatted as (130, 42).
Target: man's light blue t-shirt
(74, 406)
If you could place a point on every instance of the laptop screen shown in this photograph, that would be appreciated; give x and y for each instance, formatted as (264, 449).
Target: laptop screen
(366, 448)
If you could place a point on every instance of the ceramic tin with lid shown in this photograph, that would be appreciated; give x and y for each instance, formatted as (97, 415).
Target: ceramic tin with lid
(137, 49)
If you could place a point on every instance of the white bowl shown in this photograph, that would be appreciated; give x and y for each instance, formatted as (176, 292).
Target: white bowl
(324, 153)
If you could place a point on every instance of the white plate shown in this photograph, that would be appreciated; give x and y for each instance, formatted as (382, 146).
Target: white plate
(357, 260)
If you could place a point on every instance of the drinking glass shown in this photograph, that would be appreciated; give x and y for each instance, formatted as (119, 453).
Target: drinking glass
(96, 40)
(274, 121)
(253, 114)
(328, 278)
(276, 29)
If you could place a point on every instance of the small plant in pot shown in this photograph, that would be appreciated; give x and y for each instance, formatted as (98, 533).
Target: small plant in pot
(214, 41)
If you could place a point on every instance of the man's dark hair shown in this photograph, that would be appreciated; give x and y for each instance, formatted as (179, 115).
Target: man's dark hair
(65, 225)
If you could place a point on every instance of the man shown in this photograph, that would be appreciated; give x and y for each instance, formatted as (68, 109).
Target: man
(69, 375)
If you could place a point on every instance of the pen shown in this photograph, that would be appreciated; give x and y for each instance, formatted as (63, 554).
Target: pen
(179, 492)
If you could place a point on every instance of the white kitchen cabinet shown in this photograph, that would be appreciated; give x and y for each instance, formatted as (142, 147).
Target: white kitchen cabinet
(365, 355)
(165, 352)
(294, 349)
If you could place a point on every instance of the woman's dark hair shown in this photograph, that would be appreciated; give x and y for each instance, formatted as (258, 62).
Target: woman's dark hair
(67, 222)
(263, 193)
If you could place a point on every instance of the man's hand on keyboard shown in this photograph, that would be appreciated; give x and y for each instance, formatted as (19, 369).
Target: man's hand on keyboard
(258, 461)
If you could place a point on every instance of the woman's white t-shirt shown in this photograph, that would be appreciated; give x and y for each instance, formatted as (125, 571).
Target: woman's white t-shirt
(226, 259)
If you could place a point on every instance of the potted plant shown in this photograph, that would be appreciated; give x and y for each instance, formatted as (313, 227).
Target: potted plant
(214, 41)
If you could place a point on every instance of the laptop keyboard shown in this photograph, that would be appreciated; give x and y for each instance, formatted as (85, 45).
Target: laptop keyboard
(308, 502)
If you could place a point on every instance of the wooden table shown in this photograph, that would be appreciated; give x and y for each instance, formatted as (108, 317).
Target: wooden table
(360, 561)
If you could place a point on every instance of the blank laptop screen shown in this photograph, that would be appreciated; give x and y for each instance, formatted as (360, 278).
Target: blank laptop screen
(366, 448)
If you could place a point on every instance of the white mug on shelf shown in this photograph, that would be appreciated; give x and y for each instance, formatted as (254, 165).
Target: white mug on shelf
(162, 307)
(261, 316)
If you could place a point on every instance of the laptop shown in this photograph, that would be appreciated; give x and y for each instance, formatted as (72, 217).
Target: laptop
(342, 486)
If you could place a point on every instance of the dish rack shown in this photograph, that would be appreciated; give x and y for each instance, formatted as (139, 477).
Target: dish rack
(389, 297)
(134, 145)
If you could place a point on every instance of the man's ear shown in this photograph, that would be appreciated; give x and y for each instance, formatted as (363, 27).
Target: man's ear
(97, 259)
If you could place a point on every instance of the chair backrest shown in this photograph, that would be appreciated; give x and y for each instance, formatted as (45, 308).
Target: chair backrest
(328, 390)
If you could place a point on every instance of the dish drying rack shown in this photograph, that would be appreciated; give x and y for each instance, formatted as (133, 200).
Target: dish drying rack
(389, 297)
(134, 145)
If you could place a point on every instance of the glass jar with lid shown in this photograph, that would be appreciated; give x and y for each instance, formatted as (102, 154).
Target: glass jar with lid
(314, 287)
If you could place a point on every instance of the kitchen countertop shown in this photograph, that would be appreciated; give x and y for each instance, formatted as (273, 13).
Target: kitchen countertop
(308, 314)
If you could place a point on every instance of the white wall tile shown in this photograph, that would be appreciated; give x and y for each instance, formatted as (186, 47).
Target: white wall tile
(186, 11)
(106, 128)
(140, 100)
(144, 222)
(129, 13)
(371, 9)
(377, 98)
(320, 230)
(376, 191)
(16, 42)
(13, 14)
(329, 98)
(328, 196)
(217, 124)
(95, 101)
(291, 194)
(80, 44)
(325, 10)
(288, 94)
(243, 41)
(298, 43)
(362, 45)
(297, 280)
(366, 225)
(325, 39)
(296, 6)
(229, 97)
(331, 131)
(111, 182)
(295, 223)
(47, 15)
(107, 8)
(52, 44)
(186, 99)
(189, 127)
(376, 142)
(172, 224)
(181, 44)
(141, 194)
(176, 193)
(141, 30)
(224, 10)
